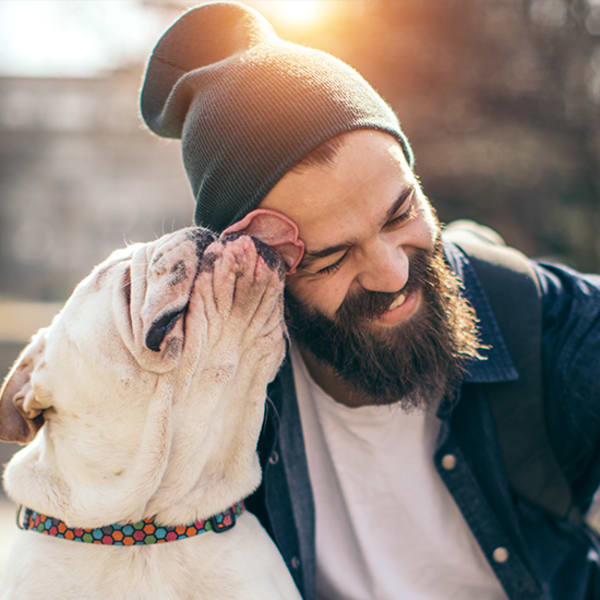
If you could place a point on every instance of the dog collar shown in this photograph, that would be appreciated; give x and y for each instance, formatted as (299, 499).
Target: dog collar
(143, 532)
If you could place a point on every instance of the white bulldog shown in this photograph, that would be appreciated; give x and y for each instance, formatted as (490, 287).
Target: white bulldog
(145, 398)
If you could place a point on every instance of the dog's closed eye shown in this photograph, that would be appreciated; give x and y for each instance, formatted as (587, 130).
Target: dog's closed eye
(159, 329)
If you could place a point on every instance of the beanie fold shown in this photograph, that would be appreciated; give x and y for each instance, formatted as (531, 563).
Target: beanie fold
(248, 106)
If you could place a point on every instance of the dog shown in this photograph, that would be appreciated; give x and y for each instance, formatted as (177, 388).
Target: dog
(141, 406)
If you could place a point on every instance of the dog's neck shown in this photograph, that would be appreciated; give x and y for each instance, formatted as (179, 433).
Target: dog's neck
(141, 533)
(192, 466)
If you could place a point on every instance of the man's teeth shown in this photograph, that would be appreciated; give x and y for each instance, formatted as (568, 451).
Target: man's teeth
(397, 301)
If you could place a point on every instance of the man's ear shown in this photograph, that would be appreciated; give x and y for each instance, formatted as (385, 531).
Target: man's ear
(20, 409)
(274, 229)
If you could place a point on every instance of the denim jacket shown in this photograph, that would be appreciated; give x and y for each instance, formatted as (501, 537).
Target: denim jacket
(533, 554)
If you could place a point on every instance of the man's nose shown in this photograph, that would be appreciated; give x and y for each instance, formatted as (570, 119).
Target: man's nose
(385, 268)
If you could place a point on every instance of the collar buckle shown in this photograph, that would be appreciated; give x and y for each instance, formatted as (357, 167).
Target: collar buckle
(227, 521)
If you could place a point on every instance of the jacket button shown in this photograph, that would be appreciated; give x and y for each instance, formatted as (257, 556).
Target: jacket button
(295, 562)
(274, 458)
(449, 462)
(500, 554)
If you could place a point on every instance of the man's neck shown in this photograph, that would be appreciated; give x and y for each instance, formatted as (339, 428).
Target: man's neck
(331, 383)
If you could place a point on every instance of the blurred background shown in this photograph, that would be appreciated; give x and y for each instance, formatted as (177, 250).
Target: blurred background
(500, 99)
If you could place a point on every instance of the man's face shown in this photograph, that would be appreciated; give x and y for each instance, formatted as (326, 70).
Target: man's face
(373, 297)
(361, 220)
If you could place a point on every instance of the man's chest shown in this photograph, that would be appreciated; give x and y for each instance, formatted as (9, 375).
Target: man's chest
(386, 525)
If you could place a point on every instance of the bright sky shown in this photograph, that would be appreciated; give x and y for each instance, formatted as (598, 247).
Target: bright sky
(297, 13)
(84, 37)
(73, 37)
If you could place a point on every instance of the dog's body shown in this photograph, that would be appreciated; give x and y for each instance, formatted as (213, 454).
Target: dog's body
(150, 386)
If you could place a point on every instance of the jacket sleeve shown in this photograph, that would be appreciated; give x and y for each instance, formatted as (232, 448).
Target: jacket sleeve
(571, 373)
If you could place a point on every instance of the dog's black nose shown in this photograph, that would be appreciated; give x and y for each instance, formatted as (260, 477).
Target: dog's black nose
(202, 236)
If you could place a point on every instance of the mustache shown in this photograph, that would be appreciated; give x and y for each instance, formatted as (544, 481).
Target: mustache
(367, 304)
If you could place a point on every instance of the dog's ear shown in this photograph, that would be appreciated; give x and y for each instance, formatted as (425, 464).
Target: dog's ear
(274, 229)
(20, 408)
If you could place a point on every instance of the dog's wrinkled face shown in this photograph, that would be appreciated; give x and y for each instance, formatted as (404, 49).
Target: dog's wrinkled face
(168, 308)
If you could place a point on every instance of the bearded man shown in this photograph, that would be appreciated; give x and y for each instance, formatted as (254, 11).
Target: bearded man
(383, 476)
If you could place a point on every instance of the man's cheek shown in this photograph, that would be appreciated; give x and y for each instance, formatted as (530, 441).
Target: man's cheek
(430, 221)
(325, 296)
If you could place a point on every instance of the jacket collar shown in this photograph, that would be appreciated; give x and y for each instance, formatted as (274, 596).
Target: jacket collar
(496, 364)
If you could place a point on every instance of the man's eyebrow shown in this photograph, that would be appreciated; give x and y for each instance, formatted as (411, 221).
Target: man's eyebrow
(310, 256)
(404, 194)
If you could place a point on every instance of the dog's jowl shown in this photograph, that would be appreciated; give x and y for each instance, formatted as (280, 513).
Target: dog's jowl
(140, 407)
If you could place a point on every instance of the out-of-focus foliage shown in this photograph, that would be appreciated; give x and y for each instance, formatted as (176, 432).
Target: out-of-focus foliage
(500, 99)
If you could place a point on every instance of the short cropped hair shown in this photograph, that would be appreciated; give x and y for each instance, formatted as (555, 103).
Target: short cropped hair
(324, 154)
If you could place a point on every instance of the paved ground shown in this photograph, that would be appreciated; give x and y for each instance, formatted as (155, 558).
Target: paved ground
(8, 527)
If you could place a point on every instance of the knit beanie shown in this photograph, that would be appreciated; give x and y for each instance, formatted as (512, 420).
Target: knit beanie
(248, 106)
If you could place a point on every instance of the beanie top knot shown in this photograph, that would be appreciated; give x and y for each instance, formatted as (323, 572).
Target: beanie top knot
(248, 106)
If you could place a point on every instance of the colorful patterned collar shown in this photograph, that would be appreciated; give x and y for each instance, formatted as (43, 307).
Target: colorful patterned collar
(143, 532)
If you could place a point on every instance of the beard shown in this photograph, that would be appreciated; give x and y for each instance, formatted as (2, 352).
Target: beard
(412, 364)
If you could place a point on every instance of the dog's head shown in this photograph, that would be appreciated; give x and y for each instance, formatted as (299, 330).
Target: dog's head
(150, 311)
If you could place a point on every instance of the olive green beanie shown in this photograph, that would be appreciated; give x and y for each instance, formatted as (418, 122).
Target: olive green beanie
(248, 106)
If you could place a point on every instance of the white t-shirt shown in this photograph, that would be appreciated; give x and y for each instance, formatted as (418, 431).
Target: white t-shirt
(386, 526)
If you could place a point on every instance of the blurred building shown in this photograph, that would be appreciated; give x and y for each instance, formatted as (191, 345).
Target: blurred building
(79, 176)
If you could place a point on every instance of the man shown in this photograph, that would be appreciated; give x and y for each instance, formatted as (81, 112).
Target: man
(382, 469)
